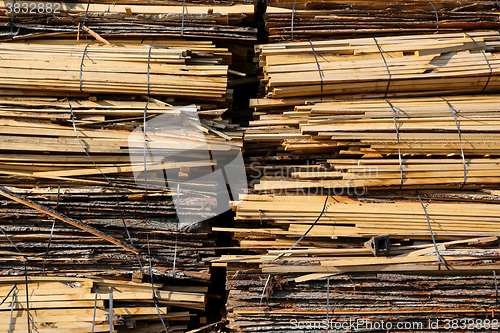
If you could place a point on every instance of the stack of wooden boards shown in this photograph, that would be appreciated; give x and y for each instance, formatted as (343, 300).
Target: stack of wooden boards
(39, 138)
(383, 66)
(55, 244)
(188, 70)
(70, 197)
(410, 142)
(377, 302)
(228, 20)
(316, 20)
(377, 250)
(80, 305)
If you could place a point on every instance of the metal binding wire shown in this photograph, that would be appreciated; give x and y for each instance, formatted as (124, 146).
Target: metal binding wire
(454, 113)
(53, 225)
(12, 308)
(291, 248)
(86, 12)
(25, 279)
(439, 258)
(485, 58)
(107, 180)
(153, 290)
(111, 315)
(386, 67)
(321, 74)
(182, 20)
(397, 134)
(437, 17)
(82, 65)
(95, 308)
(496, 286)
(293, 16)
(12, 18)
(327, 303)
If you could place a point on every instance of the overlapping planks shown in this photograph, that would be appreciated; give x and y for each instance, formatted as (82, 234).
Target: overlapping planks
(359, 302)
(214, 20)
(278, 279)
(65, 304)
(424, 64)
(367, 138)
(189, 70)
(321, 20)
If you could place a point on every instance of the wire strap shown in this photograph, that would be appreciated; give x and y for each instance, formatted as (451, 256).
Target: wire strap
(454, 113)
(176, 231)
(440, 259)
(485, 58)
(293, 16)
(106, 178)
(321, 74)
(394, 110)
(182, 20)
(327, 303)
(291, 248)
(12, 308)
(86, 12)
(95, 308)
(12, 18)
(153, 290)
(111, 315)
(10, 292)
(81, 143)
(437, 17)
(82, 65)
(53, 225)
(496, 286)
(386, 67)
(149, 67)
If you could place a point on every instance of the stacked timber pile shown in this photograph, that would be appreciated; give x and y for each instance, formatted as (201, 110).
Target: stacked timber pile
(182, 69)
(82, 128)
(316, 20)
(378, 252)
(62, 304)
(231, 20)
(409, 142)
(75, 156)
(385, 66)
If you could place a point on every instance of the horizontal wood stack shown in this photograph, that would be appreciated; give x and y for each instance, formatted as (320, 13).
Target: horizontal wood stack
(319, 20)
(403, 278)
(182, 69)
(72, 206)
(63, 304)
(385, 66)
(361, 302)
(210, 19)
(372, 166)
(359, 143)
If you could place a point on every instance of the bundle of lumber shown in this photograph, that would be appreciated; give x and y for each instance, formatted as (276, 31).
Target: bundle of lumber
(411, 142)
(86, 231)
(75, 158)
(50, 138)
(182, 69)
(213, 19)
(317, 20)
(81, 305)
(376, 302)
(388, 257)
(384, 66)
(287, 217)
